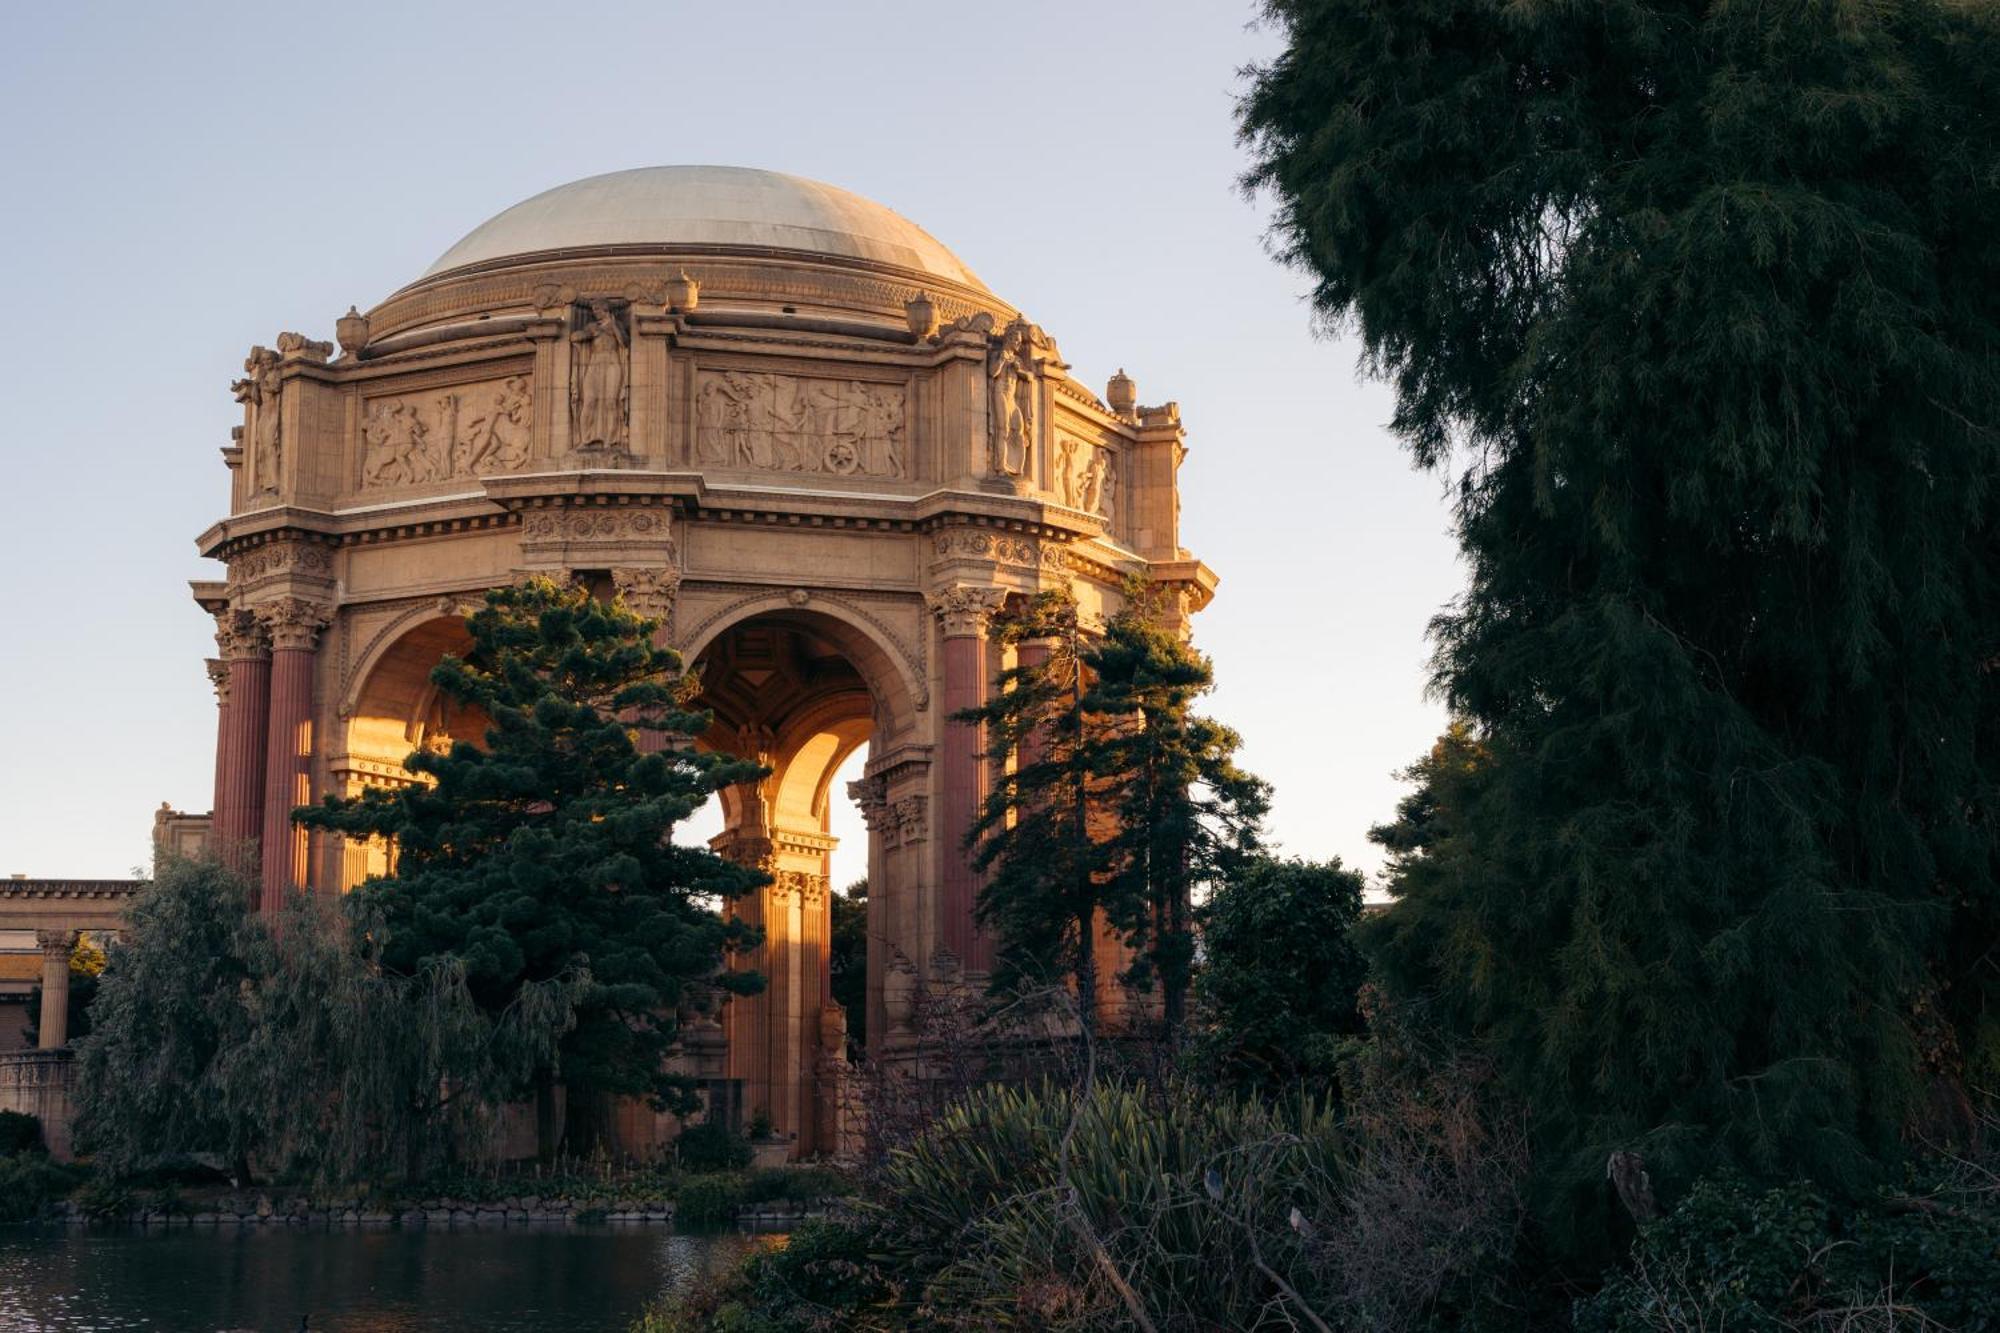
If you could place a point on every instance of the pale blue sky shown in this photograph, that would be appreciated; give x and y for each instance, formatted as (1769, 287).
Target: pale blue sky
(183, 180)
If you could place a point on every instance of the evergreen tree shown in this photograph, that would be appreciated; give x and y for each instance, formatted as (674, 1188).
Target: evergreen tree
(1111, 799)
(1047, 877)
(1183, 814)
(847, 961)
(545, 851)
(1703, 299)
(1275, 997)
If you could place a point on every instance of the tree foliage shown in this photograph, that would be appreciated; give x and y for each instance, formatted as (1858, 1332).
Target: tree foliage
(1701, 299)
(1276, 1004)
(169, 1002)
(1112, 800)
(292, 1050)
(545, 850)
(847, 960)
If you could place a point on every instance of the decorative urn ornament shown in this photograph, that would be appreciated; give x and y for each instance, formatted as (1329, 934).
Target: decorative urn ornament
(922, 315)
(1122, 393)
(352, 331)
(683, 292)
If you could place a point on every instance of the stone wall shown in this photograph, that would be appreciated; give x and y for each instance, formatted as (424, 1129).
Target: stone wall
(41, 1084)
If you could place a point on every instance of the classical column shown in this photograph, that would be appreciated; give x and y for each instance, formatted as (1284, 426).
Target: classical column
(57, 945)
(240, 738)
(218, 678)
(965, 614)
(294, 625)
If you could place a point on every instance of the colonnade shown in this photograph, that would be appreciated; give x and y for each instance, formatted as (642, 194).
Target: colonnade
(264, 739)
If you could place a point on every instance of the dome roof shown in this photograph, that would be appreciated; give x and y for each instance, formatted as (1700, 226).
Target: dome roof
(706, 206)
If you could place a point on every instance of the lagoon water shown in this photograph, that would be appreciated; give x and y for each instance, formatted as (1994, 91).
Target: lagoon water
(511, 1279)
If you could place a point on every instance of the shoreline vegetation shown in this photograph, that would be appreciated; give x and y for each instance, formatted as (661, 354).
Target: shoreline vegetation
(42, 1192)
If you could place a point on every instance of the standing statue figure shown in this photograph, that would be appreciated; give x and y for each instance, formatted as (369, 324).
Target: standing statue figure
(598, 395)
(1107, 491)
(262, 390)
(1011, 403)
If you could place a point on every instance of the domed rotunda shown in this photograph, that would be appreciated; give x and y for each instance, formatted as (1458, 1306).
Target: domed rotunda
(782, 419)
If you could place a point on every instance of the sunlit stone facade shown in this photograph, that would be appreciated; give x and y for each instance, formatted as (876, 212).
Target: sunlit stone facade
(782, 418)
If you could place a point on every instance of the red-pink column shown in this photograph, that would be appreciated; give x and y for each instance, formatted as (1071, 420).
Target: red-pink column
(964, 614)
(240, 739)
(294, 624)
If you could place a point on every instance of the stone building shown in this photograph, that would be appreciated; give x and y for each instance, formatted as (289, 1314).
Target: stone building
(782, 418)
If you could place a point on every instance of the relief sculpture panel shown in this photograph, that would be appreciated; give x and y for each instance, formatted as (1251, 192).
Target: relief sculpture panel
(789, 423)
(1086, 477)
(468, 431)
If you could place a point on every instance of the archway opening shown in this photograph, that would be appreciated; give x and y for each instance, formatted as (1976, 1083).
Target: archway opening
(802, 694)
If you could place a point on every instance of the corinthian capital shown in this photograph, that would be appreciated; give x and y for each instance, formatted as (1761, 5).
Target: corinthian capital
(239, 634)
(293, 622)
(966, 610)
(650, 592)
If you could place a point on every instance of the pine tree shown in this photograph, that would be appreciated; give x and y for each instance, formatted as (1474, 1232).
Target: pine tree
(1046, 875)
(1183, 814)
(1702, 301)
(545, 851)
(1111, 801)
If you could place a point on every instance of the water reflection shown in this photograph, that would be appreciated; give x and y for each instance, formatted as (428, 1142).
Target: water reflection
(484, 1279)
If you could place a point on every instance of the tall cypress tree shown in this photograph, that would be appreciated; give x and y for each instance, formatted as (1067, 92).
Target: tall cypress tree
(545, 850)
(1702, 302)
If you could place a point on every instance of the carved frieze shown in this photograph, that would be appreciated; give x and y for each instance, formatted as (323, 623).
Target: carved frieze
(472, 430)
(597, 524)
(282, 557)
(982, 545)
(1086, 477)
(792, 423)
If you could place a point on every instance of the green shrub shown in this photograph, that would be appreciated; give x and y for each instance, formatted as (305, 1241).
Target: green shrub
(1731, 1256)
(824, 1278)
(19, 1132)
(710, 1146)
(1172, 1188)
(104, 1199)
(796, 1184)
(30, 1182)
(709, 1200)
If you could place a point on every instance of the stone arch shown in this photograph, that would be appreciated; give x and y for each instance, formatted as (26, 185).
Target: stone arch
(877, 651)
(801, 685)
